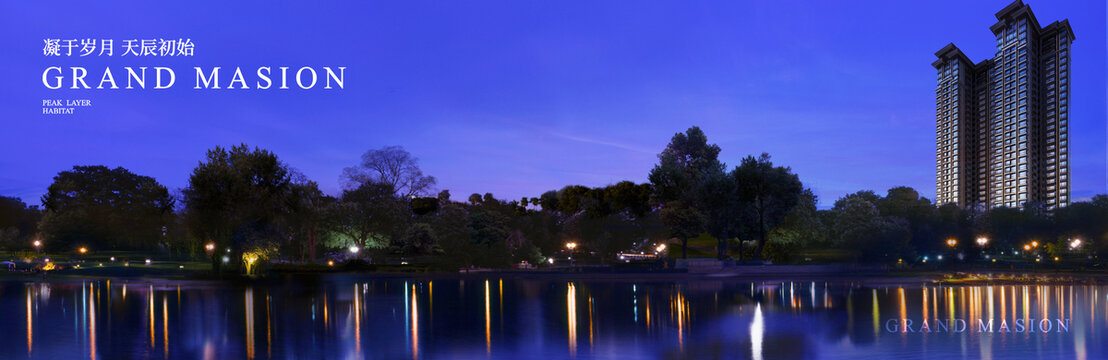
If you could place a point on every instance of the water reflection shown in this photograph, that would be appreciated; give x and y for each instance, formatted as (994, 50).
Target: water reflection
(757, 331)
(571, 317)
(488, 322)
(30, 322)
(396, 319)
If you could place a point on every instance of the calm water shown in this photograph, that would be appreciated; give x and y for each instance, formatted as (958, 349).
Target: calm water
(346, 316)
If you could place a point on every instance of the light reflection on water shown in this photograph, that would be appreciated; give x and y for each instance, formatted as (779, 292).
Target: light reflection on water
(398, 318)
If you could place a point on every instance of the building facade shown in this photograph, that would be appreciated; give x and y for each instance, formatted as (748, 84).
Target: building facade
(1001, 125)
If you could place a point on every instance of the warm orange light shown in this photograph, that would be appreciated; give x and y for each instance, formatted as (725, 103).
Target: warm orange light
(1027, 247)
(210, 247)
(83, 250)
(571, 245)
(1035, 243)
(330, 263)
(951, 242)
(37, 243)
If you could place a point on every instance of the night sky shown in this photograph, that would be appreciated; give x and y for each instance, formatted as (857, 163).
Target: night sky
(520, 97)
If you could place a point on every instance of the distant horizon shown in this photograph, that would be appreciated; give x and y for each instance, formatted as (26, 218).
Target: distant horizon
(518, 99)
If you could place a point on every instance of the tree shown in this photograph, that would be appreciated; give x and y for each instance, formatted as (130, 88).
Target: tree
(307, 214)
(488, 230)
(802, 228)
(105, 209)
(419, 239)
(921, 216)
(681, 168)
(238, 197)
(770, 191)
(451, 226)
(723, 205)
(18, 223)
(859, 226)
(370, 215)
(1087, 221)
(390, 165)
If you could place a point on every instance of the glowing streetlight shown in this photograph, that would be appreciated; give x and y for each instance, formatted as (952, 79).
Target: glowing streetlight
(210, 247)
(951, 242)
(571, 246)
(1034, 244)
(1026, 247)
(330, 263)
(147, 261)
(38, 245)
(354, 249)
(82, 250)
(1075, 243)
(660, 248)
(982, 241)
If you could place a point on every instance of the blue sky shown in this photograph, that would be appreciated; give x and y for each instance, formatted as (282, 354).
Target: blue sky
(516, 97)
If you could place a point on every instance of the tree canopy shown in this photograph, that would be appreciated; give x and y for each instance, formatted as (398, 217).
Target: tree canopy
(105, 208)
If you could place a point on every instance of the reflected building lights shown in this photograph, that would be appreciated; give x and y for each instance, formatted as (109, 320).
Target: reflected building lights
(757, 331)
(248, 300)
(974, 304)
(30, 322)
(165, 324)
(488, 322)
(876, 315)
(357, 321)
(681, 309)
(590, 324)
(415, 325)
(150, 315)
(92, 326)
(924, 301)
(903, 308)
(1026, 305)
(268, 328)
(571, 317)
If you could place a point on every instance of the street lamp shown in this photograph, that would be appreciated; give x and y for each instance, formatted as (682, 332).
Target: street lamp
(210, 247)
(354, 249)
(38, 245)
(951, 242)
(1075, 243)
(82, 250)
(982, 241)
(571, 246)
(1034, 243)
(1026, 247)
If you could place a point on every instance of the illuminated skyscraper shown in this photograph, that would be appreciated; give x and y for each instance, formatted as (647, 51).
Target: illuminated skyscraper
(1001, 125)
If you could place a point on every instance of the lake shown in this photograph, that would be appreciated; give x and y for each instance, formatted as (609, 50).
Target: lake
(363, 316)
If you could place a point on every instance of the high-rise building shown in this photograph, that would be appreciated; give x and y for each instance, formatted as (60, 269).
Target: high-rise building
(1001, 125)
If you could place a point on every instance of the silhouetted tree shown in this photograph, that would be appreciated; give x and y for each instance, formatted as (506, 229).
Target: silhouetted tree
(390, 165)
(105, 209)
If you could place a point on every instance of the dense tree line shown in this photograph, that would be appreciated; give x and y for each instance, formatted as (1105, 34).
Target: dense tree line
(252, 207)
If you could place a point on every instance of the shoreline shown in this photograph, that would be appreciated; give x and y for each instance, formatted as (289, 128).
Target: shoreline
(767, 273)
